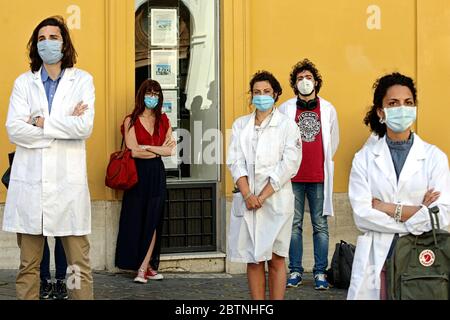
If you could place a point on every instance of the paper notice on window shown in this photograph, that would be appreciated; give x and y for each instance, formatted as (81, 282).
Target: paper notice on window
(164, 27)
(172, 161)
(170, 106)
(164, 65)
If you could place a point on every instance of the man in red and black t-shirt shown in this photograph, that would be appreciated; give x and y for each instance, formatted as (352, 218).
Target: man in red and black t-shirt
(318, 125)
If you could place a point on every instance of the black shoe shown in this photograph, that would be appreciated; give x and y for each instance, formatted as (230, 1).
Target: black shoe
(46, 290)
(60, 290)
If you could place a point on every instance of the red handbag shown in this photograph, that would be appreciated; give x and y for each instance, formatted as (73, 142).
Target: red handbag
(121, 172)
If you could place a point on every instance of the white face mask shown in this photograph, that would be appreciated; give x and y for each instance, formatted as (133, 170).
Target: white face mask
(50, 51)
(305, 86)
(399, 119)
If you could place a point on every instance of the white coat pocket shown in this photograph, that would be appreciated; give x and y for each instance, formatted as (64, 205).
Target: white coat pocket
(76, 165)
(238, 207)
(281, 202)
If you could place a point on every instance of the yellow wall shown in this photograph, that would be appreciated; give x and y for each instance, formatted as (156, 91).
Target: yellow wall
(274, 35)
(104, 42)
(255, 34)
(434, 72)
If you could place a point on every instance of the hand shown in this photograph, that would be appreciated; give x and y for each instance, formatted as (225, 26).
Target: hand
(79, 110)
(377, 204)
(149, 150)
(170, 142)
(261, 200)
(40, 122)
(385, 207)
(430, 197)
(30, 120)
(252, 203)
(152, 154)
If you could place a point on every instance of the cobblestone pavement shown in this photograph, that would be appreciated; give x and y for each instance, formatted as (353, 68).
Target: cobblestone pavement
(176, 286)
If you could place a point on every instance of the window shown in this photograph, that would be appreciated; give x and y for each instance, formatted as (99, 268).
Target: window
(177, 45)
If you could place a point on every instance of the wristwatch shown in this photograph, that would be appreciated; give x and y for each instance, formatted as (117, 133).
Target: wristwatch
(34, 121)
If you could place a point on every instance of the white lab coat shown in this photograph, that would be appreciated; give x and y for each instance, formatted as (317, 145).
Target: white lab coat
(48, 192)
(255, 234)
(373, 175)
(330, 139)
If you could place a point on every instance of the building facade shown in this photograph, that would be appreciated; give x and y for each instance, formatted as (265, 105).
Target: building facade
(204, 52)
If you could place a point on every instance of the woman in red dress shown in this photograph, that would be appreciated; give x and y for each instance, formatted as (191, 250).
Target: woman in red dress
(148, 134)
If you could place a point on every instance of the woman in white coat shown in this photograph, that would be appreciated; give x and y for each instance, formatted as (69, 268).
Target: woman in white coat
(264, 154)
(48, 121)
(393, 182)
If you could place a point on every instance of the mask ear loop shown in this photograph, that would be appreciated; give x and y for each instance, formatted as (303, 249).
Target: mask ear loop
(381, 120)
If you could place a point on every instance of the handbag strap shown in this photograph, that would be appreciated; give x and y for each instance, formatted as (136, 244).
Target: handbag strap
(123, 134)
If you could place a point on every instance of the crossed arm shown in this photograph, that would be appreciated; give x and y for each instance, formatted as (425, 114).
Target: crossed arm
(407, 211)
(149, 152)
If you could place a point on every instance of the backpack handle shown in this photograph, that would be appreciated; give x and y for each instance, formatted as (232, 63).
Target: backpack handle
(433, 212)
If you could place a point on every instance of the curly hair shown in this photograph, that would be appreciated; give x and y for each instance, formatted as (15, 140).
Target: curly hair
(301, 66)
(381, 87)
(263, 75)
(69, 53)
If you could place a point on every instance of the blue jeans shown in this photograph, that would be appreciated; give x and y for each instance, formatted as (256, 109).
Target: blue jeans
(60, 261)
(314, 192)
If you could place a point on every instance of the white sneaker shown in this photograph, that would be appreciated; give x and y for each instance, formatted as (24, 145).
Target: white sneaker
(153, 275)
(295, 279)
(320, 282)
(141, 276)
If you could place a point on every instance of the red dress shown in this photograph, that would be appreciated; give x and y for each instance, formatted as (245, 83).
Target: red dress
(143, 205)
(157, 138)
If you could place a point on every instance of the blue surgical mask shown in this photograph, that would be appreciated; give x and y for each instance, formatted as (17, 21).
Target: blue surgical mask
(399, 119)
(50, 51)
(263, 102)
(151, 102)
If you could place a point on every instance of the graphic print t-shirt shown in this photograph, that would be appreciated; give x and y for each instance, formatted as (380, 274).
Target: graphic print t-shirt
(311, 168)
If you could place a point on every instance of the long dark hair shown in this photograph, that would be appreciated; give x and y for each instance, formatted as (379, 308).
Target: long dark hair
(148, 85)
(69, 53)
(381, 87)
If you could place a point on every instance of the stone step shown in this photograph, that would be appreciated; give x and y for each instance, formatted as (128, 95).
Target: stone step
(193, 262)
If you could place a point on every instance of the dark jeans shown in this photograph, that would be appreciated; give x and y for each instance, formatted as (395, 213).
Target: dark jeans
(60, 261)
(314, 192)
